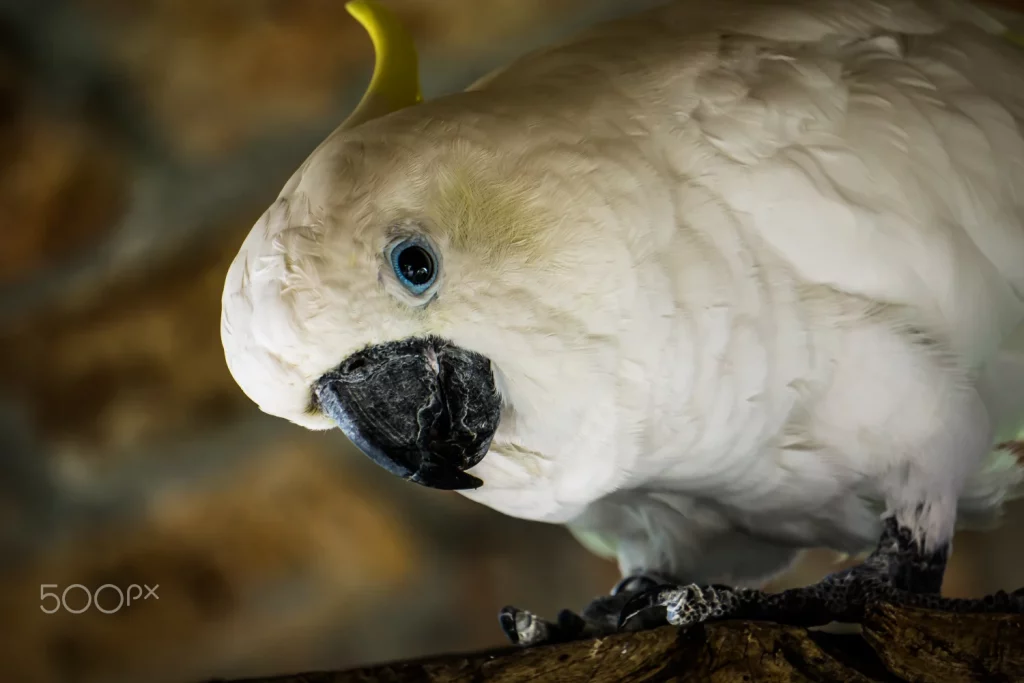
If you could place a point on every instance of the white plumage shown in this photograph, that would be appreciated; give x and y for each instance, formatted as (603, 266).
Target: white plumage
(748, 274)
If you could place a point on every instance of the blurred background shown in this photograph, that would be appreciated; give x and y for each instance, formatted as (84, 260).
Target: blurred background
(139, 142)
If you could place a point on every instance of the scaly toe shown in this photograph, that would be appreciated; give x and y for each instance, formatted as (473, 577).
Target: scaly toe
(687, 605)
(682, 605)
(522, 627)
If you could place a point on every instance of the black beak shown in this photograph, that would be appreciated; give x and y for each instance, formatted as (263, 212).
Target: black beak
(423, 409)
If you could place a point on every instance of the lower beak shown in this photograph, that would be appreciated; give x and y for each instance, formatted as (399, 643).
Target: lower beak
(421, 408)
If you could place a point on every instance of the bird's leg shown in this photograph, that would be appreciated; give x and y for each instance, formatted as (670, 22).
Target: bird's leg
(600, 617)
(897, 572)
(898, 561)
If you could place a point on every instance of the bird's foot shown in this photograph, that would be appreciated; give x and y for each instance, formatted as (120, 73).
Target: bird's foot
(685, 605)
(815, 605)
(526, 629)
(898, 572)
(599, 618)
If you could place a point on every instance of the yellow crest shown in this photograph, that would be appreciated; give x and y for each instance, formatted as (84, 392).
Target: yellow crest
(396, 80)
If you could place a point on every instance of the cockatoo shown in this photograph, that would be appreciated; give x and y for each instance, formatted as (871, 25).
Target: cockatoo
(710, 285)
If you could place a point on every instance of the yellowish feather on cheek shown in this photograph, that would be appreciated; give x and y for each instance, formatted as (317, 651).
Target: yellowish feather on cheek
(490, 219)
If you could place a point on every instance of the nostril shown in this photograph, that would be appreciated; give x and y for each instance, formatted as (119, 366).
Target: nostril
(353, 365)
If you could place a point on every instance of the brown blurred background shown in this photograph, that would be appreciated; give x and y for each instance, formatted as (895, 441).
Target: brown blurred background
(139, 141)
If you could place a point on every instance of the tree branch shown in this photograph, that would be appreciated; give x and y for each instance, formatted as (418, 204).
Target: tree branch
(894, 645)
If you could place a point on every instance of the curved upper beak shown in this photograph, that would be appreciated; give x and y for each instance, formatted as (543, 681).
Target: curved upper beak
(421, 408)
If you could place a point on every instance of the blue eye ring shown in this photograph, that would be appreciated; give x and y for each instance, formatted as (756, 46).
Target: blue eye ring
(414, 264)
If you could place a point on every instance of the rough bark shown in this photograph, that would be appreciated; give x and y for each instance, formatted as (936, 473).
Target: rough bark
(894, 645)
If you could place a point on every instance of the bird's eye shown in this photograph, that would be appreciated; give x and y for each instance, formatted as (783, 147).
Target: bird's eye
(414, 265)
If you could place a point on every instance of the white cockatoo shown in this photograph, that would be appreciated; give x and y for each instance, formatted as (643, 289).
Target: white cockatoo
(711, 285)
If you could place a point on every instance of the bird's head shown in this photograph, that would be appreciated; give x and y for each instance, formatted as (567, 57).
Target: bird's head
(416, 284)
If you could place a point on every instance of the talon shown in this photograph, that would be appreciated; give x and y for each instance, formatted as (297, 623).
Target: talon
(525, 628)
(634, 606)
(507, 620)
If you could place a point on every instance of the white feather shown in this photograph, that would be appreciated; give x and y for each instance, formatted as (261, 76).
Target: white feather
(748, 272)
